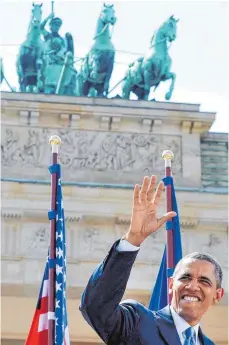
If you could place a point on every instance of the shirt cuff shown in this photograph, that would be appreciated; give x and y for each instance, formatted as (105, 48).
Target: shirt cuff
(125, 246)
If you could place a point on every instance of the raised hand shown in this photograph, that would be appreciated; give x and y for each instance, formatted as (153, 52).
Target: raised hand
(51, 16)
(144, 220)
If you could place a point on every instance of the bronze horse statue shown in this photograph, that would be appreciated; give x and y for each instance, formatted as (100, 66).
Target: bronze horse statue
(95, 73)
(30, 59)
(154, 67)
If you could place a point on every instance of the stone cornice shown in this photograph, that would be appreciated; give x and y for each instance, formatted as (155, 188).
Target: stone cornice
(105, 114)
(122, 220)
(58, 99)
(11, 214)
(189, 223)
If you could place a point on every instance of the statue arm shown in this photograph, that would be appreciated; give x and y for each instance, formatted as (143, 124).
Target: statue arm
(42, 27)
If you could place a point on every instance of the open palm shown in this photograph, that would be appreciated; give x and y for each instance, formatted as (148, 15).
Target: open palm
(144, 220)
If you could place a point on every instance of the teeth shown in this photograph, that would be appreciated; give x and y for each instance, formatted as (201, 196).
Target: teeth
(192, 299)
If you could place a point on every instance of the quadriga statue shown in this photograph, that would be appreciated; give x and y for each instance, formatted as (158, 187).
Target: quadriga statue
(29, 62)
(96, 69)
(59, 72)
(154, 67)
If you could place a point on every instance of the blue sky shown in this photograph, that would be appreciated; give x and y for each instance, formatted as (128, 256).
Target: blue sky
(199, 54)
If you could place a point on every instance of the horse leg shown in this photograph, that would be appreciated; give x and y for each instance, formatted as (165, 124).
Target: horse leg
(140, 92)
(39, 85)
(79, 85)
(147, 80)
(20, 79)
(126, 87)
(29, 89)
(110, 67)
(95, 91)
(172, 76)
(86, 87)
(94, 68)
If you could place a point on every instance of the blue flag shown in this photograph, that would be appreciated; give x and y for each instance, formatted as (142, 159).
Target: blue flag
(160, 292)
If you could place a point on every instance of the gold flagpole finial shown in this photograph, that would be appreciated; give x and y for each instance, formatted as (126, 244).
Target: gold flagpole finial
(167, 155)
(55, 142)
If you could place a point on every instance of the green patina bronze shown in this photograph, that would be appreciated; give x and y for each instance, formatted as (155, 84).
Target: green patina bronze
(46, 65)
(45, 61)
(154, 67)
(29, 62)
(96, 69)
(59, 72)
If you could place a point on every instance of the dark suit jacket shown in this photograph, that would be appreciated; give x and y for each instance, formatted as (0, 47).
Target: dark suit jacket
(129, 322)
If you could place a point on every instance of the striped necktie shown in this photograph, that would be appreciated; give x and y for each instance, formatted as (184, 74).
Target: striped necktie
(190, 336)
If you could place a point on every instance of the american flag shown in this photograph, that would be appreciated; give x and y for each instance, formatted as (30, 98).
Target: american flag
(38, 334)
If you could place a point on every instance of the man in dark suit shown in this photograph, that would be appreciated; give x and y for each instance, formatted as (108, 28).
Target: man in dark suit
(195, 286)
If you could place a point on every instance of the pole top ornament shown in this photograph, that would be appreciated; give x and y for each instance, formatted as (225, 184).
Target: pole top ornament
(167, 155)
(54, 140)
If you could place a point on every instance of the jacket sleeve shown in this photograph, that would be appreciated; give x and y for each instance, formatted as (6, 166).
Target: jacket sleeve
(100, 304)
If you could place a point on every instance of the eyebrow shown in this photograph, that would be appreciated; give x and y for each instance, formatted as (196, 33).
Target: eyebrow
(206, 278)
(202, 277)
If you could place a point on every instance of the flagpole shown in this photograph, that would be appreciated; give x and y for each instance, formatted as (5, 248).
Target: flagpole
(54, 142)
(168, 156)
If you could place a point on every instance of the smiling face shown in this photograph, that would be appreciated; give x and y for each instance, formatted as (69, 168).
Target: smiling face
(194, 289)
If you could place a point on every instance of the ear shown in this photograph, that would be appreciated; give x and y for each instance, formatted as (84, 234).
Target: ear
(219, 295)
(170, 285)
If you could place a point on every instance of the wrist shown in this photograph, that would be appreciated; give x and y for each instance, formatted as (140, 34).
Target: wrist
(134, 239)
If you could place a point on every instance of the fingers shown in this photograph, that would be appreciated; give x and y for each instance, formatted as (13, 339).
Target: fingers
(148, 186)
(158, 193)
(144, 189)
(151, 188)
(165, 218)
(145, 193)
(136, 195)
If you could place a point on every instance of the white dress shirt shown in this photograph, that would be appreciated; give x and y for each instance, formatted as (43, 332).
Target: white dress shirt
(180, 324)
(125, 246)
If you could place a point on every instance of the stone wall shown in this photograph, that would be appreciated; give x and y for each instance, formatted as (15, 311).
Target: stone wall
(107, 146)
(214, 160)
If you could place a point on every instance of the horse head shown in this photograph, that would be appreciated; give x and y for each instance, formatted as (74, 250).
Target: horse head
(36, 15)
(107, 14)
(169, 28)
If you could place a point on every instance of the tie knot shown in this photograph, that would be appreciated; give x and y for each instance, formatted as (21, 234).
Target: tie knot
(189, 332)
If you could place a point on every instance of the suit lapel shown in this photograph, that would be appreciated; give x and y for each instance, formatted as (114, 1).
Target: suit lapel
(203, 339)
(167, 327)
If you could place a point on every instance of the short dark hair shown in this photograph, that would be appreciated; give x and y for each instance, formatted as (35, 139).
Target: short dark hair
(204, 257)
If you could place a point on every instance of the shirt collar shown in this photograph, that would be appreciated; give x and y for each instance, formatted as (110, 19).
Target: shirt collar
(181, 324)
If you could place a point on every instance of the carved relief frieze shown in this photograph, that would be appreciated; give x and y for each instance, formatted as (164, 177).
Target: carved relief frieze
(89, 150)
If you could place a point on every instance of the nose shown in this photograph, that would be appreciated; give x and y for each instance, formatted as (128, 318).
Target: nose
(193, 285)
